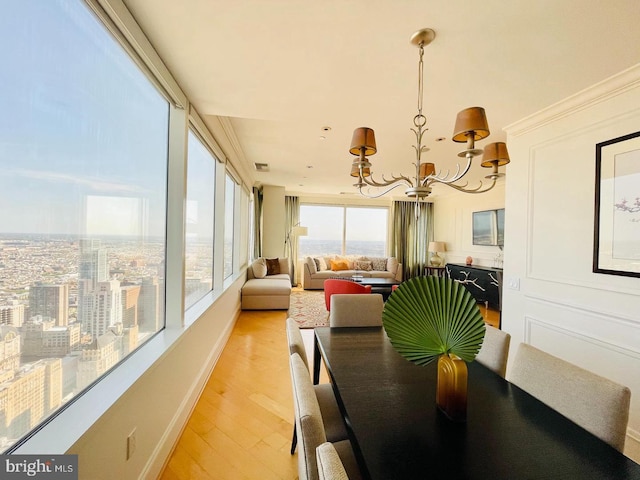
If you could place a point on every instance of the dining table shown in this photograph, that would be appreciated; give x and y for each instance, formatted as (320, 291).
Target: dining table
(398, 432)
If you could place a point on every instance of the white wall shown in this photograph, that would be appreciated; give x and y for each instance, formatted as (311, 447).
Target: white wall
(273, 221)
(560, 306)
(453, 222)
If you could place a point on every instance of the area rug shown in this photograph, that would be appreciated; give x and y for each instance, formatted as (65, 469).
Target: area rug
(308, 309)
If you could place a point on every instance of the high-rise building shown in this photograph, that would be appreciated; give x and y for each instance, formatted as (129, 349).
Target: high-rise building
(130, 297)
(10, 345)
(12, 315)
(104, 309)
(149, 306)
(93, 262)
(92, 269)
(42, 338)
(50, 301)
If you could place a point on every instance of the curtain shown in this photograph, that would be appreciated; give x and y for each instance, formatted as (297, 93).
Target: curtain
(257, 222)
(412, 230)
(292, 218)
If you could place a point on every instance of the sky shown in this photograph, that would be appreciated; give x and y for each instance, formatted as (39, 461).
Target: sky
(326, 222)
(78, 122)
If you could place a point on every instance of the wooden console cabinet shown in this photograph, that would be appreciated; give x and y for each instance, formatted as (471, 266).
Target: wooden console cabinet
(484, 283)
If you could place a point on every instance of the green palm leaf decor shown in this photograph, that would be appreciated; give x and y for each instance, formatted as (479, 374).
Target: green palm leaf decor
(429, 316)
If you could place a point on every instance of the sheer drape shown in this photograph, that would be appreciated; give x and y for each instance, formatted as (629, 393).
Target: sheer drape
(412, 230)
(257, 222)
(292, 218)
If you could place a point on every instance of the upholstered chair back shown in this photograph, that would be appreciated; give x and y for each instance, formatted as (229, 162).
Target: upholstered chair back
(597, 404)
(309, 425)
(495, 350)
(329, 464)
(356, 310)
(296, 344)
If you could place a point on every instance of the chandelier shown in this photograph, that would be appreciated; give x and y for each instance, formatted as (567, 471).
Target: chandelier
(471, 125)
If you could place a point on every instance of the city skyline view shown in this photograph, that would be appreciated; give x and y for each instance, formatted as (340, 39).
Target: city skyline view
(83, 190)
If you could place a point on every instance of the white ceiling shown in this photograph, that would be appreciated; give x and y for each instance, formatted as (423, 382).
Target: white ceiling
(281, 70)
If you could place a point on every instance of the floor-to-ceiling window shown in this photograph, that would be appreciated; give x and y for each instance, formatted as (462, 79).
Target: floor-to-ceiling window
(343, 230)
(199, 241)
(83, 149)
(229, 214)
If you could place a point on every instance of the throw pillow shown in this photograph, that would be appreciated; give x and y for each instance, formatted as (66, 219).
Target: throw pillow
(311, 265)
(364, 265)
(379, 264)
(273, 266)
(321, 265)
(259, 268)
(337, 265)
(392, 265)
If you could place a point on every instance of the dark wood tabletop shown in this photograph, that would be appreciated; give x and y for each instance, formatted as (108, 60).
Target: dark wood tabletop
(398, 433)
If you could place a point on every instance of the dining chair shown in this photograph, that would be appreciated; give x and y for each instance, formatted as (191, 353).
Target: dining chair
(329, 464)
(597, 404)
(356, 310)
(495, 350)
(334, 426)
(335, 285)
(309, 423)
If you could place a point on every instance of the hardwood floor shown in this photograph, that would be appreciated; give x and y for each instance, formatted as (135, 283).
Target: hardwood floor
(241, 426)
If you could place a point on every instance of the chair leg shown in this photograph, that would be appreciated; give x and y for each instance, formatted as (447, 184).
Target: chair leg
(294, 440)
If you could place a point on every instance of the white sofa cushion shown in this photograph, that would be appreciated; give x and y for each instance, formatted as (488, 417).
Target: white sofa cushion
(259, 267)
(392, 265)
(321, 264)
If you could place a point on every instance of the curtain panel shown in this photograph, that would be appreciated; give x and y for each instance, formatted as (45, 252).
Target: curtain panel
(292, 218)
(257, 222)
(412, 230)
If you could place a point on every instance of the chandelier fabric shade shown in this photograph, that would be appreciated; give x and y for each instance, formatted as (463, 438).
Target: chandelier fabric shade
(427, 169)
(472, 120)
(363, 137)
(495, 153)
(355, 170)
(471, 125)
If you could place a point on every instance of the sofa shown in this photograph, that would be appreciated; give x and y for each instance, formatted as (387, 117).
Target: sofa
(268, 285)
(317, 269)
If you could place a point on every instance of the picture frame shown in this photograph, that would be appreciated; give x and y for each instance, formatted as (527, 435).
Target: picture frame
(616, 246)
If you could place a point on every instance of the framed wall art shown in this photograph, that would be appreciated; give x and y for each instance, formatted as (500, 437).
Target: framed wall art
(616, 248)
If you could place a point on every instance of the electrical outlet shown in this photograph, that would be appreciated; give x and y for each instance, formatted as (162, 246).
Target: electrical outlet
(514, 283)
(131, 443)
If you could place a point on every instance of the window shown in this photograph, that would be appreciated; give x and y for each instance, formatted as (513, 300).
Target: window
(366, 231)
(201, 173)
(229, 215)
(343, 230)
(83, 144)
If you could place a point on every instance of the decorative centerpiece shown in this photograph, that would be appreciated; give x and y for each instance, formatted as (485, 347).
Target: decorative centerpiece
(431, 317)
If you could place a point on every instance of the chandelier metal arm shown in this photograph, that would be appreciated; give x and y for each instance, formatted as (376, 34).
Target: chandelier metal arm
(478, 189)
(386, 182)
(446, 179)
(368, 195)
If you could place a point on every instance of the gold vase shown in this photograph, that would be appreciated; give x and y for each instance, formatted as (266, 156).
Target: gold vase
(451, 393)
